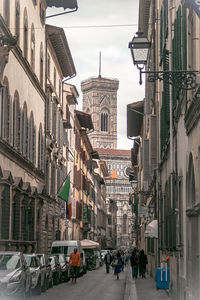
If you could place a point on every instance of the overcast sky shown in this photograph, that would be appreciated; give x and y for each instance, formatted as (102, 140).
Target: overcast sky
(86, 43)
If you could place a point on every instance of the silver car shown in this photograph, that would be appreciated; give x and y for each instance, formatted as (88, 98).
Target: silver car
(15, 277)
(37, 273)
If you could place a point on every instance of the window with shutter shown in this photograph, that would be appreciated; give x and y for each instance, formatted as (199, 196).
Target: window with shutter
(10, 122)
(146, 159)
(40, 149)
(16, 122)
(153, 146)
(6, 114)
(5, 212)
(24, 130)
(16, 216)
(41, 65)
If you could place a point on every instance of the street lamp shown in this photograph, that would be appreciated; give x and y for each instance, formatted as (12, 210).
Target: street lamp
(139, 47)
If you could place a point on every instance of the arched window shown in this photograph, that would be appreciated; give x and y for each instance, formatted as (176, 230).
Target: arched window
(32, 47)
(5, 211)
(25, 34)
(32, 141)
(6, 8)
(5, 111)
(104, 122)
(17, 19)
(16, 122)
(24, 131)
(41, 65)
(16, 216)
(40, 149)
(124, 224)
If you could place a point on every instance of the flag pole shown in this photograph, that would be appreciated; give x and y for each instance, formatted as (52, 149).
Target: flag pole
(63, 182)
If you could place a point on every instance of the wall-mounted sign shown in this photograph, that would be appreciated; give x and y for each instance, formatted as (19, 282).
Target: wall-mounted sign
(196, 6)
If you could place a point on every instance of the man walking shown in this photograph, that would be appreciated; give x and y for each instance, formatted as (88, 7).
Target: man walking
(108, 260)
(74, 262)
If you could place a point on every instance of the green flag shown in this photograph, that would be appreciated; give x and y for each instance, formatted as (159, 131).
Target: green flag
(64, 193)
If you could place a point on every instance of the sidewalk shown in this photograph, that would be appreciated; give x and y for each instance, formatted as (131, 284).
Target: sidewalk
(142, 289)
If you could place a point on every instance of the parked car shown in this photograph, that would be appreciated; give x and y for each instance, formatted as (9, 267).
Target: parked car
(37, 273)
(48, 271)
(56, 269)
(15, 276)
(64, 267)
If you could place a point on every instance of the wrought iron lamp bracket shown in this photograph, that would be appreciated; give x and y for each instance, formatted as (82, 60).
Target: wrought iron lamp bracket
(185, 80)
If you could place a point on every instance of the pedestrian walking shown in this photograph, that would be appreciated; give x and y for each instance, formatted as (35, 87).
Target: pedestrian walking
(108, 260)
(143, 262)
(74, 262)
(134, 264)
(118, 265)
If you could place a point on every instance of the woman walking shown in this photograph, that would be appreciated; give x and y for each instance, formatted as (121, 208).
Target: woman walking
(118, 265)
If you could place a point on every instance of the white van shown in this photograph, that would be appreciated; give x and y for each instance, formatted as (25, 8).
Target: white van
(66, 248)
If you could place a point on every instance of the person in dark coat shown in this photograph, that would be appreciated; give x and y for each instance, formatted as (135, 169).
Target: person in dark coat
(108, 260)
(142, 263)
(118, 265)
(134, 264)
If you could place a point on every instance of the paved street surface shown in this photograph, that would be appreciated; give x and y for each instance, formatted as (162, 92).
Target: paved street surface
(143, 289)
(95, 285)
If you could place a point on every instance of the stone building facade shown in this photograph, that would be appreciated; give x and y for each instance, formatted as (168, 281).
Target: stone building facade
(173, 190)
(32, 163)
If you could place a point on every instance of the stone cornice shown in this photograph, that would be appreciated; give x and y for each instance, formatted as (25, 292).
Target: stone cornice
(17, 158)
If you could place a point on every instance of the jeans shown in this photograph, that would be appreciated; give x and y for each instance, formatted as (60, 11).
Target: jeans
(134, 271)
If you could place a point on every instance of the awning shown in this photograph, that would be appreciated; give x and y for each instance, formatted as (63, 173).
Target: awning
(135, 112)
(89, 244)
(63, 3)
(152, 229)
(84, 119)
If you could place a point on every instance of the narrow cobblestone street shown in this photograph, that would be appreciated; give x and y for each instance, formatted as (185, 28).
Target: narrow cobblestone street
(95, 285)
(101, 286)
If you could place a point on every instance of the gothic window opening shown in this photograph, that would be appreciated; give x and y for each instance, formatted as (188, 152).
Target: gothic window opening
(16, 216)
(40, 149)
(32, 141)
(17, 20)
(5, 112)
(32, 47)
(25, 34)
(41, 65)
(5, 212)
(16, 122)
(104, 122)
(24, 131)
